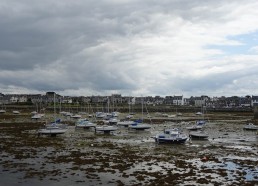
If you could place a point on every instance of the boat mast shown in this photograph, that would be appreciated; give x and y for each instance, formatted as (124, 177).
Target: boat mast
(55, 106)
(142, 108)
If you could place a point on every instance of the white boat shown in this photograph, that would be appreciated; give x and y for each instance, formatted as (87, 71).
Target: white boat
(76, 116)
(53, 130)
(16, 112)
(250, 126)
(198, 125)
(113, 121)
(68, 114)
(194, 127)
(36, 116)
(84, 123)
(100, 115)
(63, 113)
(129, 116)
(139, 126)
(179, 114)
(115, 114)
(105, 128)
(34, 112)
(172, 136)
(125, 123)
(2, 111)
(198, 135)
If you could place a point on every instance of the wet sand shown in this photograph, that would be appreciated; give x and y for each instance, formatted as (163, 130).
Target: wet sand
(127, 157)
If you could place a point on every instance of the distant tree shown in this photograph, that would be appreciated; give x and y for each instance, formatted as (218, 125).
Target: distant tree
(29, 101)
(248, 97)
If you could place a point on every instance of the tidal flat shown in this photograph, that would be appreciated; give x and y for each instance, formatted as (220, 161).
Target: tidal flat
(127, 157)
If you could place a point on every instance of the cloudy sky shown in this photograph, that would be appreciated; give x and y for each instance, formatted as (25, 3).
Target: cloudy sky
(129, 47)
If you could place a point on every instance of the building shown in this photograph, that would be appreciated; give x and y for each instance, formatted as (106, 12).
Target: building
(254, 101)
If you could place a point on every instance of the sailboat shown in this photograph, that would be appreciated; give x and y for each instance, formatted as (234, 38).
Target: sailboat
(35, 114)
(2, 111)
(53, 128)
(199, 123)
(106, 129)
(84, 123)
(138, 124)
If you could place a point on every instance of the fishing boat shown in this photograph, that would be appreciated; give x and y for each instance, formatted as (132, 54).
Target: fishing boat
(107, 129)
(198, 135)
(250, 126)
(84, 123)
(172, 136)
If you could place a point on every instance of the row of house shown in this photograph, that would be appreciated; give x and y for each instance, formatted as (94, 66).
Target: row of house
(234, 101)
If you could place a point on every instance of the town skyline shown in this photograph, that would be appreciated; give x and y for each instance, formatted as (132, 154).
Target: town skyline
(49, 97)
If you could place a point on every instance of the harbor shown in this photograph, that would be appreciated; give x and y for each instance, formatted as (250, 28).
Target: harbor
(129, 157)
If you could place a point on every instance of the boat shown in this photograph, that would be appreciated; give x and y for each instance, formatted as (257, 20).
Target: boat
(63, 113)
(198, 125)
(125, 123)
(137, 125)
(37, 116)
(34, 112)
(113, 121)
(76, 116)
(114, 114)
(16, 112)
(84, 123)
(2, 111)
(68, 114)
(53, 129)
(250, 126)
(107, 129)
(100, 115)
(198, 135)
(129, 116)
(172, 136)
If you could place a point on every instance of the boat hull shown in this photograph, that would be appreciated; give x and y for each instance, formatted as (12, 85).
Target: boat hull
(51, 132)
(170, 141)
(250, 128)
(201, 137)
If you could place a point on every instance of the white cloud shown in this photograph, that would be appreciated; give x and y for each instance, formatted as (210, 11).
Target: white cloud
(254, 49)
(128, 47)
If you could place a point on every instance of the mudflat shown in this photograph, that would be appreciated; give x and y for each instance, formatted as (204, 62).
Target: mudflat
(128, 157)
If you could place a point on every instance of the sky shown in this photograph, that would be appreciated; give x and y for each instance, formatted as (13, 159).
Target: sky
(129, 47)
